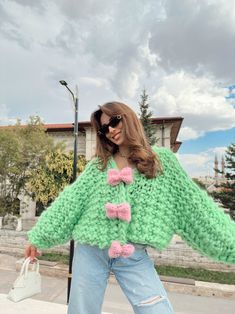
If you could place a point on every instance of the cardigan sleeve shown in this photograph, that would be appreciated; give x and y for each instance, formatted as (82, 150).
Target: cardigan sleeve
(56, 223)
(200, 221)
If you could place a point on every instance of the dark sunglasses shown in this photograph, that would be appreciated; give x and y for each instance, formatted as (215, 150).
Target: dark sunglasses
(104, 129)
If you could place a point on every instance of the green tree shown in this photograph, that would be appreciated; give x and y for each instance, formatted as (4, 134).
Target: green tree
(226, 194)
(22, 149)
(9, 157)
(50, 178)
(145, 118)
(199, 183)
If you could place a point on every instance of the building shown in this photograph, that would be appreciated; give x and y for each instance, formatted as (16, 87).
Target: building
(167, 130)
(212, 183)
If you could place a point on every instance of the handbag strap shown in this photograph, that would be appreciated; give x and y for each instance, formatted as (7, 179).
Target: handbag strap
(25, 266)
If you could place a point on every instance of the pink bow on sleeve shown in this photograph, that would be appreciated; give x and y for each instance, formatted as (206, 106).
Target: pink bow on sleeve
(120, 211)
(116, 250)
(115, 176)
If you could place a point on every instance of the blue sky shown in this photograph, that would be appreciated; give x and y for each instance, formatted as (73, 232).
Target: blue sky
(209, 140)
(181, 52)
(197, 155)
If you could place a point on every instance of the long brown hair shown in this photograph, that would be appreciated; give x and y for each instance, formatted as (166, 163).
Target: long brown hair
(141, 154)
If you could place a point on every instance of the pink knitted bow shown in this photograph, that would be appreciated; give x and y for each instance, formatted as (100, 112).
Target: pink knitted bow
(120, 211)
(115, 176)
(116, 250)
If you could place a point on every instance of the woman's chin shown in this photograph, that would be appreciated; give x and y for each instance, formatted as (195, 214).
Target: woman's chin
(118, 142)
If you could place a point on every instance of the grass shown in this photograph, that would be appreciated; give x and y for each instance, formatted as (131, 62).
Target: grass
(55, 257)
(192, 273)
(198, 274)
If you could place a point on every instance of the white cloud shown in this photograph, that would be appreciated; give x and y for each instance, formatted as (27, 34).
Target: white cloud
(93, 81)
(29, 26)
(126, 82)
(197, 36)
(112, 50)
(201, 164)
(200, 100)
(4, 116)
(187, 133)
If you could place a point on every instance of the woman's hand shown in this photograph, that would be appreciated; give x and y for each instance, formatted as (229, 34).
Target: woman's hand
(32, 252)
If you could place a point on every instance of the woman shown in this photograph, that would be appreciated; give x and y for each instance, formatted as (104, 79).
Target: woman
(128, 197)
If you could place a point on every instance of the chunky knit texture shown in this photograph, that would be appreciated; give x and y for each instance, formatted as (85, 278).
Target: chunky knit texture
(170, 203)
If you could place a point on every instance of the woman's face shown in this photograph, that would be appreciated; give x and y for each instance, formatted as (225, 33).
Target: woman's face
(115, 134)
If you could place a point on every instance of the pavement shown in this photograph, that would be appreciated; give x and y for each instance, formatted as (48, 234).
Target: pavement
(54, 292)
(29, 306)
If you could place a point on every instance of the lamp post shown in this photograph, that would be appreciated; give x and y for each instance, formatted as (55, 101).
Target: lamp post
(71, 249)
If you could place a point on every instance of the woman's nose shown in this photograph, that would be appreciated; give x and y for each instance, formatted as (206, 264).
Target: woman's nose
(111, 129)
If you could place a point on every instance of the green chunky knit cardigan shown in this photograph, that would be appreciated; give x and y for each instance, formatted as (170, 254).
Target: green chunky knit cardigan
(160, 207)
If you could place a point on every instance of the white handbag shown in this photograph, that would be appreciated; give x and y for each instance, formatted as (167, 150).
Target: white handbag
(27, 284)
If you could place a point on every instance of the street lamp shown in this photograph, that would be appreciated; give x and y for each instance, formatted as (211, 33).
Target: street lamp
(71, 249)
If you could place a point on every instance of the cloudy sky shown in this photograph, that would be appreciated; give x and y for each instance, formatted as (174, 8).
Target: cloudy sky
(182, 52)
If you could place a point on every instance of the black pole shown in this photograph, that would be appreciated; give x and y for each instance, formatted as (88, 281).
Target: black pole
(163, 133)
(71, 247)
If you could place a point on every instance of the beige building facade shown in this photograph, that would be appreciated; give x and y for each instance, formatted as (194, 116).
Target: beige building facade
(167, 130)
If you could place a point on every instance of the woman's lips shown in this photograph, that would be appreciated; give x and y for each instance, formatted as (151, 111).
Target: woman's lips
(116, 136)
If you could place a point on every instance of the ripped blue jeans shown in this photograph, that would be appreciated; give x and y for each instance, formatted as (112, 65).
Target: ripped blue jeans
(136, 276)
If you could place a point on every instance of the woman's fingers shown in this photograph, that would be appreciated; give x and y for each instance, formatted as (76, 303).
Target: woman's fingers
(32, 252)
(27, 252)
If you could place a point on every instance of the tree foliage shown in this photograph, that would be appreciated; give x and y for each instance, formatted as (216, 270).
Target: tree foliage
(199, 183)
(9, 157)
(226, 194)
(22, 150)
(53, 175)
(145, 118)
